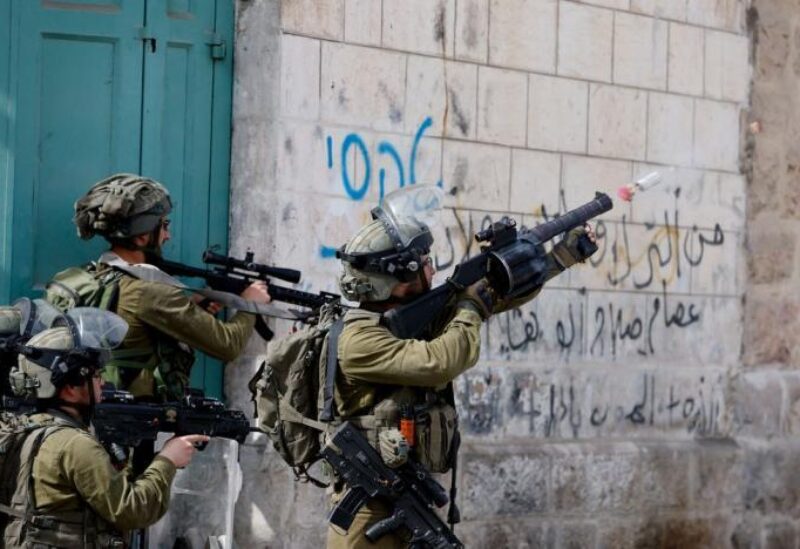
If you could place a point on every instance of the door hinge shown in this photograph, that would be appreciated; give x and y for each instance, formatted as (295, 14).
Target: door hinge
(218, 47)
(148, 38)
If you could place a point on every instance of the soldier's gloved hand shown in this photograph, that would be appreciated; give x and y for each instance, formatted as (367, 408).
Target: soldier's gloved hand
(480, 298)
(179, 450)
(577, 246)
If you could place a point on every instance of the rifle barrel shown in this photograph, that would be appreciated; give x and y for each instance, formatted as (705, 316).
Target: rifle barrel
(573, 218)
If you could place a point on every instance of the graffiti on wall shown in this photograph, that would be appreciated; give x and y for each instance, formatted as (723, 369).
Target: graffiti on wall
(404, 164)
(639, 294)
(525, 404)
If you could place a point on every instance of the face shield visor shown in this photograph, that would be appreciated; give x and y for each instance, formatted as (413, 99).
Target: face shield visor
(410, 211)
(35, 315)
(94, 334)
(406, 215)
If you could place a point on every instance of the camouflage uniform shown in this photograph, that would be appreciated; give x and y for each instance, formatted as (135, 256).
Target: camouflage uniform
(164, 326)
(155, 360)
(377, 370)
(80, 499)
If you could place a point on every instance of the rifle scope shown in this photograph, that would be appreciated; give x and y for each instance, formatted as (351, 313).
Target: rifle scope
(247, 264)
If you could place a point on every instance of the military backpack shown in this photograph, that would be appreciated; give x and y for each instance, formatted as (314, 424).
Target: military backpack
(290, 391)
(14, 430)
(84, 287)
(21, 524)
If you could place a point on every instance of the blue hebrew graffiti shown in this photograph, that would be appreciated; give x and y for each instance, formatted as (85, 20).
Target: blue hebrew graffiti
(357, 190)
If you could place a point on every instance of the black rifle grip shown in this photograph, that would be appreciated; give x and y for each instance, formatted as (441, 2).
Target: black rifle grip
(263, 330)
(385, 526)
(345, 511)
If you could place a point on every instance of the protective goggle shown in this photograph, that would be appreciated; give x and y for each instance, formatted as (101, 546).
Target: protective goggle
(404, 265)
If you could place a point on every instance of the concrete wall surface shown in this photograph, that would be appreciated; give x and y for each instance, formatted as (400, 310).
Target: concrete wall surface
(650, 398)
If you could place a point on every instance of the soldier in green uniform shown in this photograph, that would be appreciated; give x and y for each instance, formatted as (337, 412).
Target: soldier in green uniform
(155, 359)
(380, 376)
(65, 491)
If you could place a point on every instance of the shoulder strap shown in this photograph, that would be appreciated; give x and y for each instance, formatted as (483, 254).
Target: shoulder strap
(331, 367)
(41, 432)
(289, 413)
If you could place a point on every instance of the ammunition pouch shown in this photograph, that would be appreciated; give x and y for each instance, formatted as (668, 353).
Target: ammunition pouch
(435, 426)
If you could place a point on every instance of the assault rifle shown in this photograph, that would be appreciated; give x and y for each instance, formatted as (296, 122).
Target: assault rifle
(118, 420)
(409, 490)
(513, 261)
(233, 275)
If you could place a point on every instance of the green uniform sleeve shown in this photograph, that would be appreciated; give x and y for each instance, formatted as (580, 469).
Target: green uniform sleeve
(371, 353)
(124, 504)
(170, 311)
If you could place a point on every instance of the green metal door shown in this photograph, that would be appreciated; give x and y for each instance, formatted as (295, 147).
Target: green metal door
(93, 87)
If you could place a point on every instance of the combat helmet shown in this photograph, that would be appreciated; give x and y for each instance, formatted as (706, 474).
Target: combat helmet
(122, 206)
(18, 323)
(70, 352)
(390, 248)
(9, 321)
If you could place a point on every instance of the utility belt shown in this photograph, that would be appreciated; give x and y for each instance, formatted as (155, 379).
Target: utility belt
(73, 529)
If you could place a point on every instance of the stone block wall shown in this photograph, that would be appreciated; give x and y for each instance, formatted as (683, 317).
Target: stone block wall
(630, 404)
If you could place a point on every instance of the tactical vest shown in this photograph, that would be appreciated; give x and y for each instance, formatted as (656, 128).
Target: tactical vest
(297, 388)
(433, 412)
(166, 364)
(26, 526)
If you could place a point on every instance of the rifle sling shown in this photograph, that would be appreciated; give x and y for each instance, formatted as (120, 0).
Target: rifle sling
(288, 413)
(331, 367)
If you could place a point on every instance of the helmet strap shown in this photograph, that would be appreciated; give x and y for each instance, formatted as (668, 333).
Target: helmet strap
(152, 249)
(423, 280)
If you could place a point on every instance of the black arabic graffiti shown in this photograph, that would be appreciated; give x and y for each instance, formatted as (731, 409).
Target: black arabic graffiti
(554, 406)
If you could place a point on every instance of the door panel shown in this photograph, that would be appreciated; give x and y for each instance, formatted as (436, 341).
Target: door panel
(7, 41)
(177, 123)
(79, 76)
(177, 115)
(93, 87)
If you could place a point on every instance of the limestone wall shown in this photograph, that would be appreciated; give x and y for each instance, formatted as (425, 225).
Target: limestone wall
(615, 410)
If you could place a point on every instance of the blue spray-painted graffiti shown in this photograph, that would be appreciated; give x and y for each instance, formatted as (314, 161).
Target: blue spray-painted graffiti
(357, 190)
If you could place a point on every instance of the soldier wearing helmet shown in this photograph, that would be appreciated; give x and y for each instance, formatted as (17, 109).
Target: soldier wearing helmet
(37, 315)
(154, 361)
(59, 488)
(382, 379)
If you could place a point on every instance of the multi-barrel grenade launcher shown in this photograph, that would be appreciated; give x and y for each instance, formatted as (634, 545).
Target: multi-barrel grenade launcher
(514, 262)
